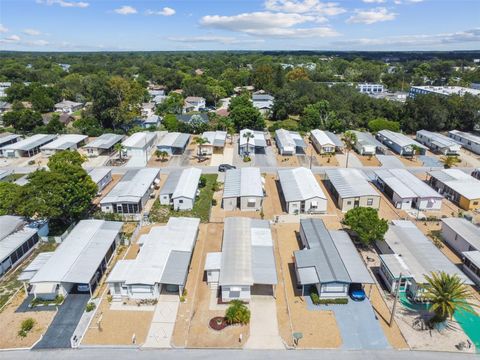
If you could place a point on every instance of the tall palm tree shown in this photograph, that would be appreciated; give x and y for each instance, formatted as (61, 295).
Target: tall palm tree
(119, 148)
(231, 133)
(449, 161)
(446, 294)
(200, 141)
(350, 139)
(248, 135)
(163, 155)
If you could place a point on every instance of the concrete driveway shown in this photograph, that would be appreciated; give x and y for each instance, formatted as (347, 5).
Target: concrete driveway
(263, 324)
(390, 162)
(64, 323)
(358, 326)
(163, 322)
(266, 158)
(353, 161)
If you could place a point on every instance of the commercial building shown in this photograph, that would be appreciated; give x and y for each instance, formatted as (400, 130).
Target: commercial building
(27, 147)
(456, 186)
(438, 143)
(180, 189)
(407, 191)
(243, 189)
(328, 260)
(247, 263)
(215, 142)
(173, 143)
(464, 238)
(400, 143)
(467, 140)
(350, 189)
(367, 144)
(63, 142)
(101, 176)
(368, 88)
(289, 142)
(104, 144)
(326, 142)
(131, 193)
(17, 240)
(301, 192)
(407, 256)
(251, 142)
(78, 264)
(161, 265)
(442, 90)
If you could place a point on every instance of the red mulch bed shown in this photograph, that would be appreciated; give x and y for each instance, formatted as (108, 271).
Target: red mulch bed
(218, 323)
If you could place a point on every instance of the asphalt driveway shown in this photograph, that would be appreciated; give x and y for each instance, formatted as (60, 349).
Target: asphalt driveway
(64, 323)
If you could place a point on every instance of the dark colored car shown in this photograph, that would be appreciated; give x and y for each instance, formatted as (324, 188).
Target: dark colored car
(356, 292)
(225, 167)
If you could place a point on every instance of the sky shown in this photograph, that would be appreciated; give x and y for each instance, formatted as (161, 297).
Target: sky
(164, 25)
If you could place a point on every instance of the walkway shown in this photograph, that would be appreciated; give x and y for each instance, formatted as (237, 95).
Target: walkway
(263, 324)
(163, 322)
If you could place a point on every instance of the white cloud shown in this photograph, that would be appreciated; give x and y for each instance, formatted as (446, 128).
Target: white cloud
(36, 43)
(374, 1)
(64, 3)
(305, 6)
(417, 41)
(3, 29)
(31, 32)
(166, 11)
(126, 10)
(213, 39)
(371, 16)
(400, 2)
(10, 39)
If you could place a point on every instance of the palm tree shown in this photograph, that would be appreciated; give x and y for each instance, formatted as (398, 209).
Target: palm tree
(163, 154)
(237, 313)
(415, 150)
(350, 139)
(200, 141)
(158, 154)
(231, 133)
(449, 161)
(248, 135)
(446, 294)
(119, 148)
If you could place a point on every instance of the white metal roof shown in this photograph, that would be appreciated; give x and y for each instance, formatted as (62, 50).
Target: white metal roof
(78, 257)
(406, 185)
(242, 182)
(439, 140)
(473, 256)
(132, 187)
(462, 183)
(105, 141)
(467, 136)
(247, 253)
(399, 138)
(213, 261)
(396, 265)
(14, 240)
(139, 140)
(9, 224)
(215, 138)
(257, 140)
(35, 265)
(64, 142)
(150, 265)
(97, 174)
(321, 137)
(299, 184)
(419, 254)
(174, 139)
(350, 183)
(187, 184)
(367, 139)
(289, 140)
(30, 143)
(4, 138)
(465, 229)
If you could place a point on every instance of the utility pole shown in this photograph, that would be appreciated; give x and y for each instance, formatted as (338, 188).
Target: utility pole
(397, 290)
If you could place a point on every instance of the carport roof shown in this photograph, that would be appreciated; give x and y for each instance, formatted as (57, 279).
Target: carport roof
(30, 143)
(350, 183)
(35, 265)
(330, 256)
(299, 184)
(78, 257)
(258, 138)
(105, 141)
(64, 142)
(400, 139)
(174, 140)
(289, 139)
(406, 185)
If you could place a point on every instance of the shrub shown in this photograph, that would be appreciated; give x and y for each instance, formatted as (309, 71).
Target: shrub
(202, 182)
(59, 299)
(214, 202)
(31, 162)
(90, 307)
(237, 313)
(338, 301)
(26, 326)
(315, 298)
(247, 158)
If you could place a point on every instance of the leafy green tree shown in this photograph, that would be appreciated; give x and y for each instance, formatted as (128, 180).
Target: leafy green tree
(65, 158)
(41, 100)
(23, 121)
(366, 224)
(244, 115)
(55, 126)
(379, 124)
(449, 161)
(9, 198)
(89, 126)
(200, 141)
(173, 104)
(170, 122)
(447, 294)
(118, 147)
(237, 313)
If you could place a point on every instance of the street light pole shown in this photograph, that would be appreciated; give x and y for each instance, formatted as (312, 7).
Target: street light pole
(397, 291)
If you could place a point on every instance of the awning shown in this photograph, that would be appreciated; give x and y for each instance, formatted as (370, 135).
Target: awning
(44, 288)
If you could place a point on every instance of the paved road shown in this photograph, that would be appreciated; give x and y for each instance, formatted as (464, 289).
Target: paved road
(128, 353)
(64, 323)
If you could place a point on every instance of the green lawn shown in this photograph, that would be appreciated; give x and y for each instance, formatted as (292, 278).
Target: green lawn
(201, 208)
(13, 177)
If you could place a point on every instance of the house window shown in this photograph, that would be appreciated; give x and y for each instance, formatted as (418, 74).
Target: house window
(180, 201)
(369, 202)
(349, 202)
(251, 203)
